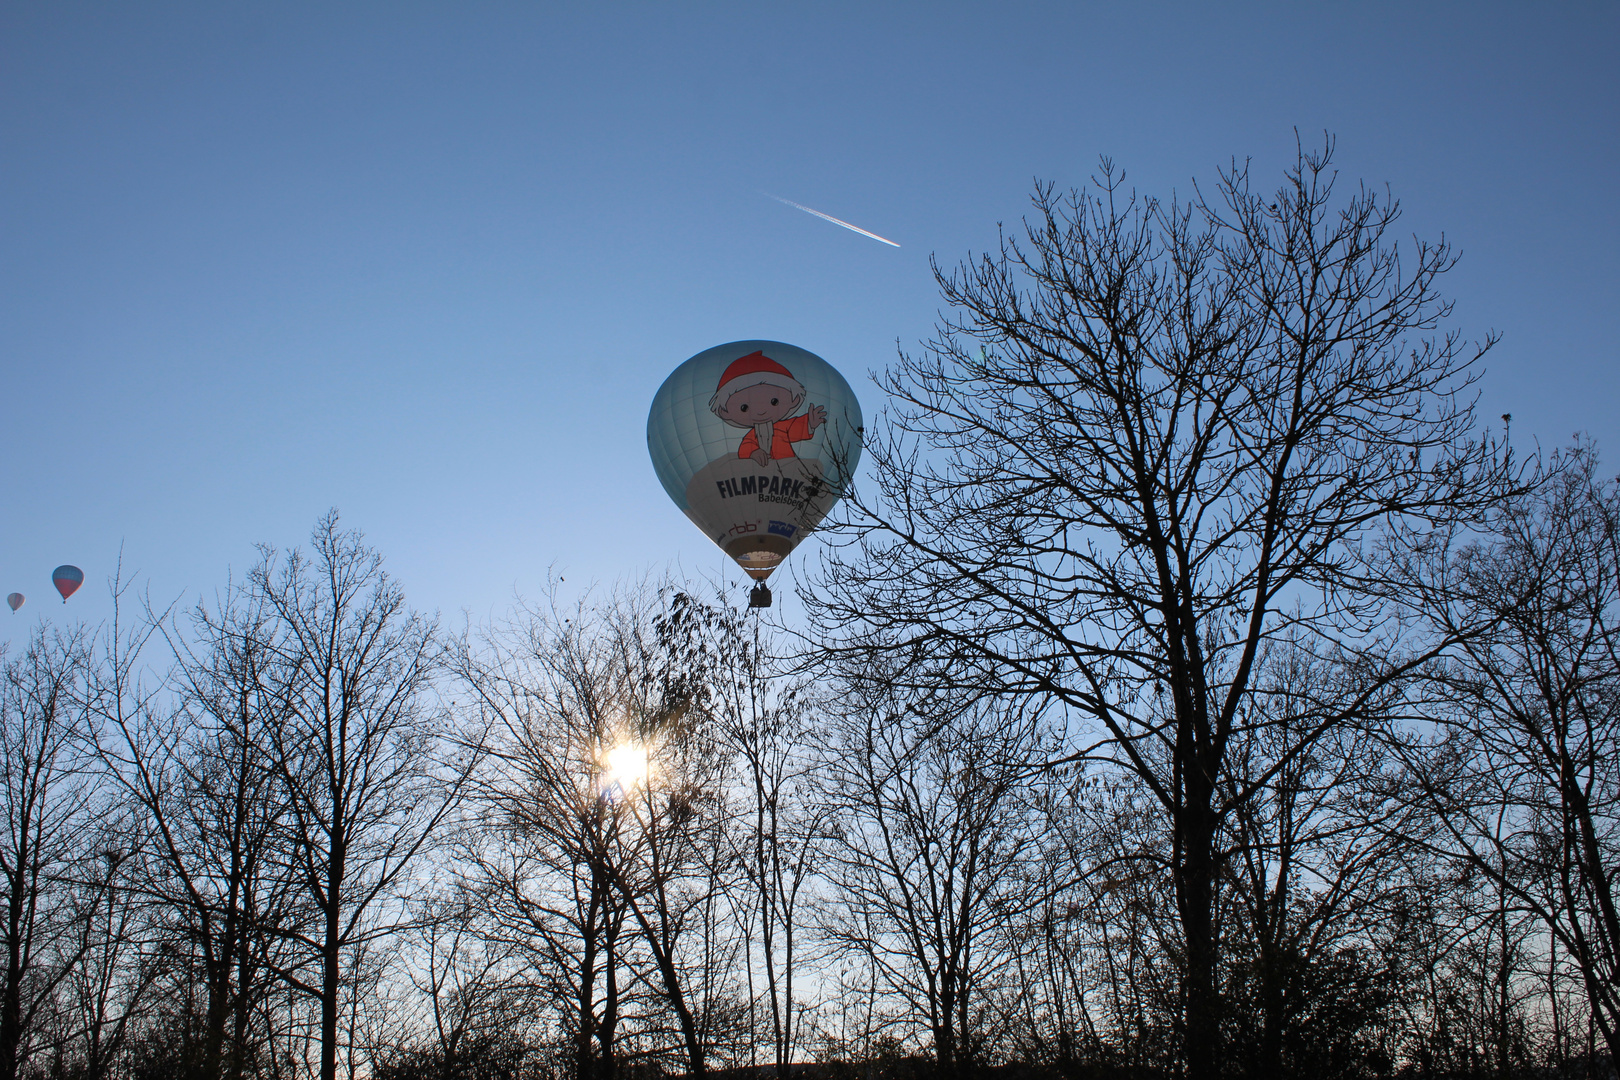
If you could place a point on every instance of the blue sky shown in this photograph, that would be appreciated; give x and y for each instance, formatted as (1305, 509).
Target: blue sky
(428, 264)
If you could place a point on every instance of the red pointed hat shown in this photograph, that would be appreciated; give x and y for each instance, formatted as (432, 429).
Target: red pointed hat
(755, 369)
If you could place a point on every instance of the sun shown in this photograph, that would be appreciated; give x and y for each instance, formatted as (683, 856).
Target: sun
(628, 766)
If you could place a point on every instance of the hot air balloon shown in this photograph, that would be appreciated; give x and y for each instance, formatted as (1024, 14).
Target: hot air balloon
(67, 580)
(755, 441)
(16, 600)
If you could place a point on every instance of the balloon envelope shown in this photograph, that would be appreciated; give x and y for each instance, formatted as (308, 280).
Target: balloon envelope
(16, 600)
(755, 441)
(67, 580)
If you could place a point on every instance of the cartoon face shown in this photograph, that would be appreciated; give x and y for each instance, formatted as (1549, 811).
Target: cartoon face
(761, 404)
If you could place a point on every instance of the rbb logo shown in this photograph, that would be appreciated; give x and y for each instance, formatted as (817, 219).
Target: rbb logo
(745, 527)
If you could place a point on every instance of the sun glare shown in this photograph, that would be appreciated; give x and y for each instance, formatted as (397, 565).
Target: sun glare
(627, 767)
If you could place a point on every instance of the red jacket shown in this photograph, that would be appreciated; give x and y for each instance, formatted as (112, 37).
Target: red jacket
(784, 433)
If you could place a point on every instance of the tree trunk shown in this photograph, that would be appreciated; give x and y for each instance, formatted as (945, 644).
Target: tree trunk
(1271, 1006)
(945, 1029)
(689, 1032)
(218, 1010)
(1195, 899)
(784, 1037)
(585, 1037)
(663, 955)
(609, 1067)
(10, 1032)
(329, 998)
(11, 1008)
(331, 958)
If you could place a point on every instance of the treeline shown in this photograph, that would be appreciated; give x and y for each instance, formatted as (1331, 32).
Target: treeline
(301, 831)
(1192, 688)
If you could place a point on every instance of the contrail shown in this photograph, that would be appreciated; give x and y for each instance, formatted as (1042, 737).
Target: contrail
(835, 221)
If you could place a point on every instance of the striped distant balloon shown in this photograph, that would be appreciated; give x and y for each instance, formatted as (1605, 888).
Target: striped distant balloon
(16, 600)
(67, 580)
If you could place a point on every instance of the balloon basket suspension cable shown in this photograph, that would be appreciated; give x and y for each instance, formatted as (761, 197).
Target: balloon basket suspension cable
(759, 596)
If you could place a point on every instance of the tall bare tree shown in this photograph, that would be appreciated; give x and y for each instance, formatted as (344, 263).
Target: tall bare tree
(1525, 781)
(766, 715)
(670, 866)
(559, 699)
(197, 763)
(48, 806)
(1147, 438)
(607, 819)
(362, 749)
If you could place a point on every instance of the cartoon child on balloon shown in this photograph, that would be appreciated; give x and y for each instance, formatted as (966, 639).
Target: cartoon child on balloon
(757, 393)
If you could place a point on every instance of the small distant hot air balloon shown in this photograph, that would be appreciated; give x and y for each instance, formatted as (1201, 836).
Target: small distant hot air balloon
(755, 441)
(67, 580)
(16, 600)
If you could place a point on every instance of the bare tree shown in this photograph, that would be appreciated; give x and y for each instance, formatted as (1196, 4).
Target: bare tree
(933, 846)
(1525, 780)
(559, 702)
(1316, 864)
(198, 766)
(108, 960)
(1105, 941)
(607, 817)
(48, 800)
(465, 973)
(1147, 438)
(765, 717)
(362, 750)
(669, 868)
(1466, 980)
